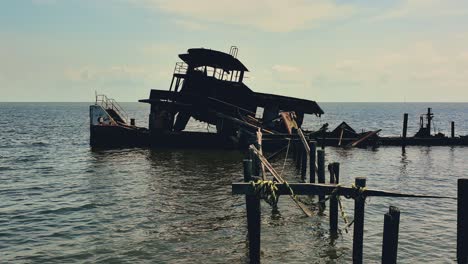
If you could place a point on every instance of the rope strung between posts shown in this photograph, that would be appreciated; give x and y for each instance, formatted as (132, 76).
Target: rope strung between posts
(286, 157)
(278, 178)
(343, 215)
(266, 190)
(358, 193)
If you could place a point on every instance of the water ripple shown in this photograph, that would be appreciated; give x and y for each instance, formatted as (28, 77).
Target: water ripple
(62, 202)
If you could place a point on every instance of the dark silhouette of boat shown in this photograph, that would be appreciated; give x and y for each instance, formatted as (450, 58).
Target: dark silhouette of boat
(345, 136)
(208, 86)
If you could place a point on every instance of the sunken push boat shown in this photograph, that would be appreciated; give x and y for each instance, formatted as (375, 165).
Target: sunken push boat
(208, 86)
(345, 136)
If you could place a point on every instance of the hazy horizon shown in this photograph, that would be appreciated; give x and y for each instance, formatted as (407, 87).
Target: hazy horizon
(325, 102)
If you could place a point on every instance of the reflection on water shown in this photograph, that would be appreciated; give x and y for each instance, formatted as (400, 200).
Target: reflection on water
(61, 202)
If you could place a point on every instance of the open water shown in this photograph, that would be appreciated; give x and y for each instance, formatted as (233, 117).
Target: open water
(62, 202)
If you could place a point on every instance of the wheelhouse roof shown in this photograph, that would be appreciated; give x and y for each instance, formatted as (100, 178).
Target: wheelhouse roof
(206, 57)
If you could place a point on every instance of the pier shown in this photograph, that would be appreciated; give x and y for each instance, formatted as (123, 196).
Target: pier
(257, 187)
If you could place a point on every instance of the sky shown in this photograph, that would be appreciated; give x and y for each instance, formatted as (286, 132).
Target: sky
(322, 50)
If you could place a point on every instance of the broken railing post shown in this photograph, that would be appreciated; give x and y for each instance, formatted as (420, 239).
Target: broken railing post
(312, 158)
(462, 221)
(405, 128)
(253, 217)
(303, 163)
(321, 172)
(334, 178)
(452, 129)
(358, 230)
(390, 236)
(323, 139)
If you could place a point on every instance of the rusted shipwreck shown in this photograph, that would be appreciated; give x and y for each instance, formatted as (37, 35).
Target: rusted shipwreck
(345, 136)
(208, 86)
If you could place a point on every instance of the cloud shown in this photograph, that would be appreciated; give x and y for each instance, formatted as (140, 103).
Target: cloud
(423, 8)
(159, 49)
(110, 74)
(412, 70)
(464, 56)
(346, 65)
(290, 75)
(190, 24)
(286, 69)
(265, 15)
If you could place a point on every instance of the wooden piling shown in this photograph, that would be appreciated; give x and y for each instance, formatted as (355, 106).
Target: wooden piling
(336, 169)
(358, 231)
(334, 178)
(293, 149)
(323, 139)
(462, 221)
(405, 128)
(312, 158)
(256, 165)
(303, 164)
(247, 170)
(452, 129)
(390, 236)
(253, 217)
(298, 155)
(321, 169)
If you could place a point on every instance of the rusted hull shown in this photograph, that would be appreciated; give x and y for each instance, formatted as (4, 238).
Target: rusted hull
(396, 141)
(119, 137)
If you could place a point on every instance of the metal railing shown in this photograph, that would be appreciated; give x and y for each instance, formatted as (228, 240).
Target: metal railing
(233, 51)
(108, 103)
(180, 68)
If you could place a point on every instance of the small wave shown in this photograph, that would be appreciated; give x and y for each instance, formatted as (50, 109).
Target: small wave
(27, 158)
(67, 210)
(40, 144)
(5, 168)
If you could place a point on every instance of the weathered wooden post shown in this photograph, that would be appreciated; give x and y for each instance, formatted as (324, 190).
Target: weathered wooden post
(298, 155)
(253, 217)
(323, 139)
(334, 178)
(303, 163)
(405, 128)
(321, 171)
(336, 169)
(390, 236)
(256, 166)
(462, 221)
(452, 129)
(429, 121)
(293, 149)
(358, 231)
(312, 158)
